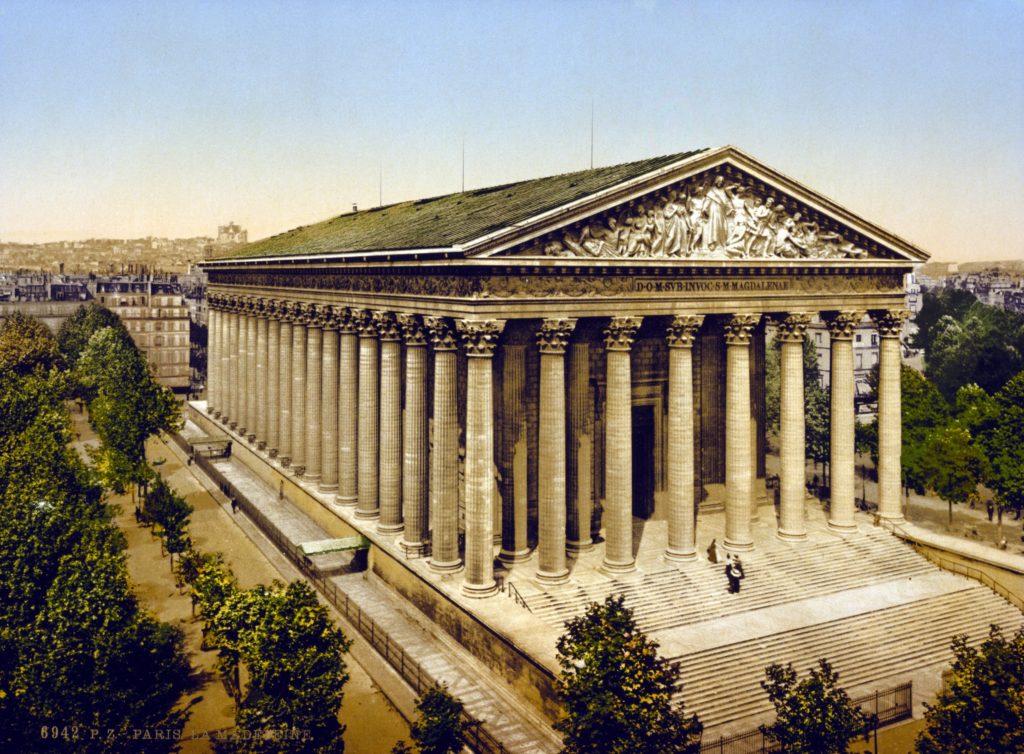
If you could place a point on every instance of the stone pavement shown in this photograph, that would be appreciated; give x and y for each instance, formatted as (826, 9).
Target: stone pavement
(516, 725)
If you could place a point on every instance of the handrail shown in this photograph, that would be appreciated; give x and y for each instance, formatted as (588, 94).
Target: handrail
(975, 573)
(514, 594)
(475, 736)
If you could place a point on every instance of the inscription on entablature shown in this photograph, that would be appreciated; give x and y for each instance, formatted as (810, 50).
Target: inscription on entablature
(562, 286)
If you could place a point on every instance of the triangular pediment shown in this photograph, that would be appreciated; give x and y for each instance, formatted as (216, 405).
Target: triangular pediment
(717, 206)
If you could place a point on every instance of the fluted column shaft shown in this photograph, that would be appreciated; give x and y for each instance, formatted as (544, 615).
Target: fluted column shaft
(223, 360)
(479, 339)
(792, 447)
(212, 344)
(298, 435)
(348, 409)
(415, 474)
(618, 467)
(262, 363)
(890, 422)
(234, 360)
(551, 465)
(284, 406)
(514, 471)
(250, 372)
(274, 380)
(329, 404)
(242, 415)
(580, 474)
(444, 457)
(841, 442)
(681, 503)
(739, 457)
(390, 424)
(369, 416)
(314, 393)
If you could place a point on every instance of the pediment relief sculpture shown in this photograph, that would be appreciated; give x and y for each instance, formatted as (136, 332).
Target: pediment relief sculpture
(718, 217)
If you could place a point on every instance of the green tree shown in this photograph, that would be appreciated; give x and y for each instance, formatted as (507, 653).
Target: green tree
(934, 306)
(981, 708)
(74, 332)
(812, 716)
(438, 728)
(26, 345)
(951, 465)
(1002, 440)
(616, 690)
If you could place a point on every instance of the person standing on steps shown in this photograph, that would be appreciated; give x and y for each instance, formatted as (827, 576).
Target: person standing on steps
(713, 552)
(734, 584)
(738, 571)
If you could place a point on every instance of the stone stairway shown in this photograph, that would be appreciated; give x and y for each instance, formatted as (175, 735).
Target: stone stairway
(670, 598)
(723, 684)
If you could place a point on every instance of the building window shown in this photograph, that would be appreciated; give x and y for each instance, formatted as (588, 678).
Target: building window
(874, 339)
(857, 338)
(817, 338)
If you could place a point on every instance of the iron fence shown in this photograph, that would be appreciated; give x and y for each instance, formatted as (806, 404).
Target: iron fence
(476, 736)
(883, 708)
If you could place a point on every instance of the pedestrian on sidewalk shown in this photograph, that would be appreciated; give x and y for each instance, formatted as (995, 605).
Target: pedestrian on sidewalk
(990, 508)
(713, 552)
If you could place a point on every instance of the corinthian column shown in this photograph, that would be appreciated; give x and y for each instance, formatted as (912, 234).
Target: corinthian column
(348, 407)
(223, 359)
(242, 414)
(231, 348)
(479, 339)
(273, 378)
(580, 477)
(314, 391)
(369, 381)
(552, 339)
(681, 505)
(212, 344)
(618, 446)
(329, 402)
(390, 424)
(262, 358)
(444, 456)
(285, 365)
(250, 369)
(414, 436)
(301, 318)
(792, 457)
(841, 443)
(739, 460)
(890, 441)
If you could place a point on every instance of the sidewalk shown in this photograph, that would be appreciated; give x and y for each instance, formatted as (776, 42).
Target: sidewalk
(518, 727)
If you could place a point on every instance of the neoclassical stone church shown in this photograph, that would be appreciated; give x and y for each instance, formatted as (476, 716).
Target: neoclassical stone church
(523, 371)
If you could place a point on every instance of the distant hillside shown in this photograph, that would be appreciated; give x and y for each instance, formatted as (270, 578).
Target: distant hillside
(1005, 267)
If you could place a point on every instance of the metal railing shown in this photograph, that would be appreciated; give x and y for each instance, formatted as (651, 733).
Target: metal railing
(883, 708)
(514, 594)
(475, 735)
(974, 573)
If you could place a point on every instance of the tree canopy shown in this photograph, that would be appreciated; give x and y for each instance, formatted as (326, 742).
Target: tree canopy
(813, 715)
(616, 690)
(74, 332)
(981, 708)
(438, 727)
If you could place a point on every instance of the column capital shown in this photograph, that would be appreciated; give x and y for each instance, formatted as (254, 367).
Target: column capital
(740, 328)
(346, 320)
(442, 334)
(244, 304)
(889, 322)
(553, 335)
(387, 326)
(318, 315)
(365, 322)
(214, 301)
(273, 309)
(260, 307)
(841, 324)
(682, 329)
(289, 311)
(480, 336)
(331, 317)
(233, 303)
(303, 313)
(792, 326)
(620, 332)
(413, 330)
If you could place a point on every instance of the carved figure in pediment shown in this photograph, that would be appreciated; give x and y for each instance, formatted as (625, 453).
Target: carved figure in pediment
(677, 225)
(715, 211)
(759, 232)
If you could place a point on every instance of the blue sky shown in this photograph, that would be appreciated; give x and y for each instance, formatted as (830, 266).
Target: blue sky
(123, 119)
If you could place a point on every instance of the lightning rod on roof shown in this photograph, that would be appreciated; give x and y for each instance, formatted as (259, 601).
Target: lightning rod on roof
(591, 132)
(463, 162)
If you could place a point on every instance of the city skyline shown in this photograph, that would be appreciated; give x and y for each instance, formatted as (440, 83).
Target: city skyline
(173, 119)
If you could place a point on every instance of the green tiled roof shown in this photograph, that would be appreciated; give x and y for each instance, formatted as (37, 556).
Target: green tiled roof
(447, 220)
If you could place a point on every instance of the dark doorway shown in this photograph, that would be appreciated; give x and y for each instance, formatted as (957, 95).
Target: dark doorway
(643, 461)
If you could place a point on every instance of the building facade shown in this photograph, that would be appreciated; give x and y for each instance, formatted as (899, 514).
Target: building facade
(529, 370)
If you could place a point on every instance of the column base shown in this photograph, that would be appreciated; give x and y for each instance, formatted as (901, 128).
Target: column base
(612, 567)
(842, 528)
(738, 546)
(346, 501)
(897, 519)
(515, 556)
(327, 487)
(390, 528)
(479, 591)
(583, 546)
(446, 566)
(364, 514)
(313, 476)
(552, 578)
(791, 536)
(414, 549)
(680, 556)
